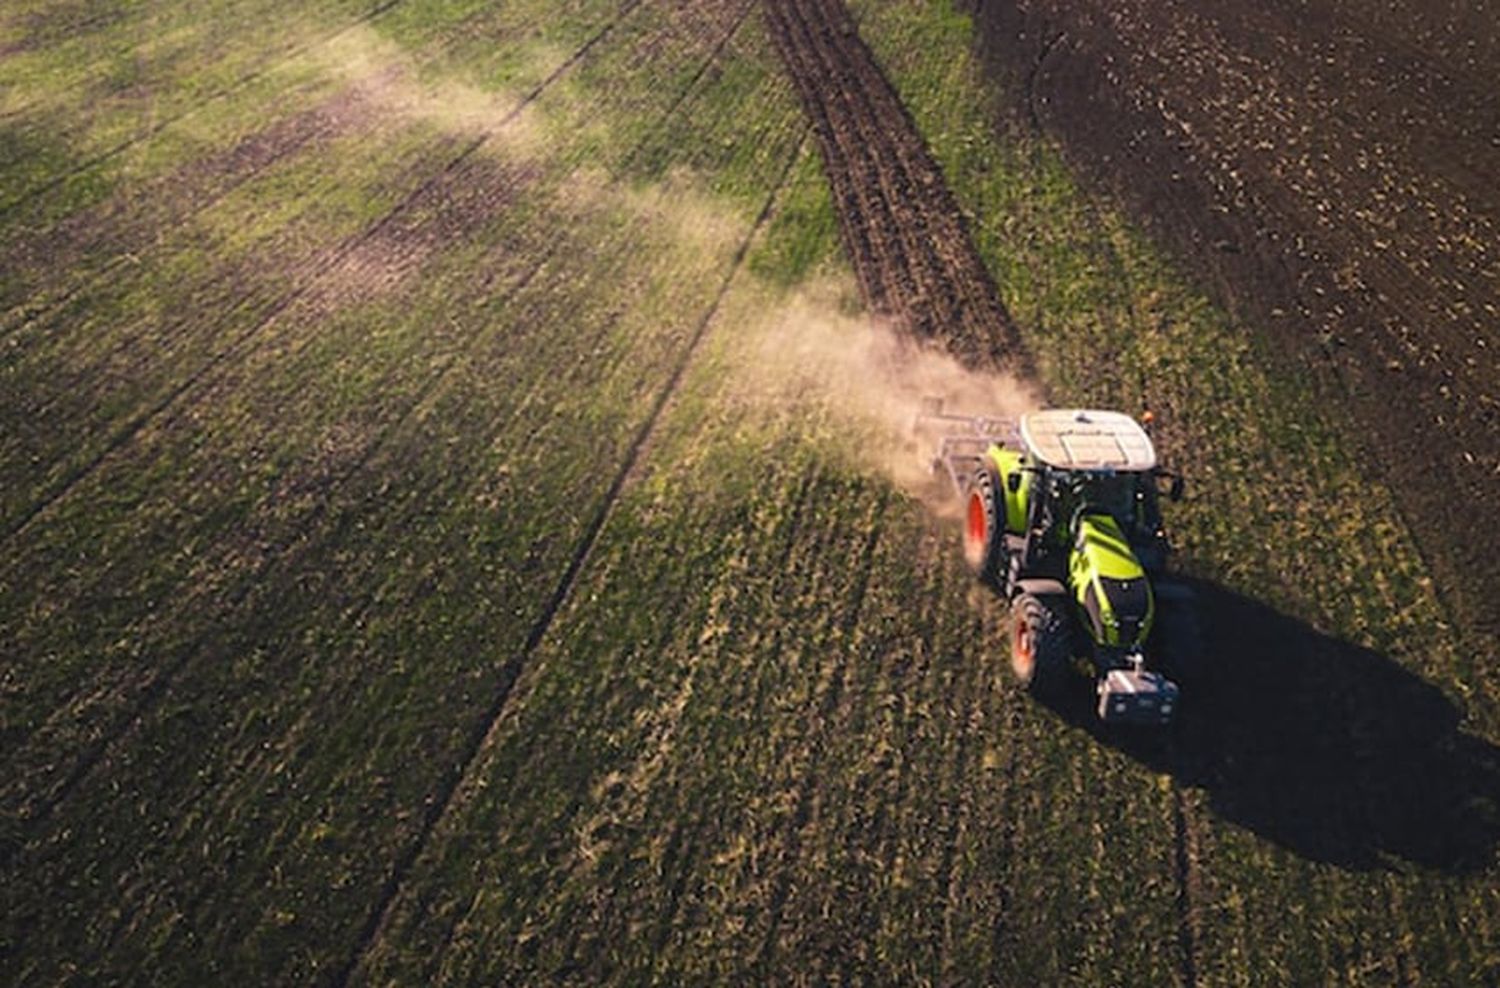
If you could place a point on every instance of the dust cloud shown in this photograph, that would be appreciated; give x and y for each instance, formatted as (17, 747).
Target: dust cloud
(855, 378)
(871, 381)
(387, 76)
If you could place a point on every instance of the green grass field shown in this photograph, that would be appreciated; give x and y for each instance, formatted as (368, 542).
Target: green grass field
(418, 571)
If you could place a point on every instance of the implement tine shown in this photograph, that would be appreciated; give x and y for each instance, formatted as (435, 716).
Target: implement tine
(963, 439)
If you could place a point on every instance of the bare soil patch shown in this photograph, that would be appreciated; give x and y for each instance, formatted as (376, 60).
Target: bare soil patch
(1327, 170)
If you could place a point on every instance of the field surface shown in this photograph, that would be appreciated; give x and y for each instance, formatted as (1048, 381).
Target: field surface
(459, 529)
(1329, 170)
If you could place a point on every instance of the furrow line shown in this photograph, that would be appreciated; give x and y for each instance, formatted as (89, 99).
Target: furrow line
(1184, 872)
(193, 190)
(927, 284)
(964, 762)
(510, 673)
(1009, 841)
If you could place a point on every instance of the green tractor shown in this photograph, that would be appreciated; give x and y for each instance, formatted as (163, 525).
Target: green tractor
(1061, 516)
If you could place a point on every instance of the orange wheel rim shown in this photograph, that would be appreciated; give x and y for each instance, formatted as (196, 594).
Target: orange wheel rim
(977, 528)
(1023, 648)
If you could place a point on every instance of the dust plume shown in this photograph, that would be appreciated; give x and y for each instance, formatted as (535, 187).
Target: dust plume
(677, 209)
(388, 76)
(871, 381)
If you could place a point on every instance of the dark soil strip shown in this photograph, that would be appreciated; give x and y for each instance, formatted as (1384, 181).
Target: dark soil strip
(511, 672)
(955, 820)
(57, 180)
(900, 225)
(199, 183)
(1184, 868)
(126, 223)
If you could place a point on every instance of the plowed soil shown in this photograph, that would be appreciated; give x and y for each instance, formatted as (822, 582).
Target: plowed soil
(900, 226)
(1329, 170)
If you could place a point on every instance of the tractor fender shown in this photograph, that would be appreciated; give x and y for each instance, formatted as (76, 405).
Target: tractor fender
(1040, 587)
(1008, 465)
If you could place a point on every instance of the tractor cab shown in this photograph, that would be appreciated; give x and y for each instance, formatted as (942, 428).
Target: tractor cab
(1084, 465)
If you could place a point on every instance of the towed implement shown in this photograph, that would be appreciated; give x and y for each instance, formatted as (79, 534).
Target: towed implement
(1061, 516)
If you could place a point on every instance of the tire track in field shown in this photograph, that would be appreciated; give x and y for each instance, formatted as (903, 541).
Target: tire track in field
(156, 688)
(264, 68)
(320, 269)
(900, 225)
(965, 761)
(1185, 870)
(511, 672)
(1010, 840)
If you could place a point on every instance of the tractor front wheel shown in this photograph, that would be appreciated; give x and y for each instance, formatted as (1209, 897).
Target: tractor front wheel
(1038, 643)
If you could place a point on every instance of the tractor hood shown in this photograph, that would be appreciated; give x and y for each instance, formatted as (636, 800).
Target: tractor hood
(1113, 593)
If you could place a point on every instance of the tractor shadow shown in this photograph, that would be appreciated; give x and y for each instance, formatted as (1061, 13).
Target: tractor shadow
(1328, 749)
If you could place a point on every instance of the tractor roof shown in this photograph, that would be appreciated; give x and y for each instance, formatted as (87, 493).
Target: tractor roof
(1087, 439)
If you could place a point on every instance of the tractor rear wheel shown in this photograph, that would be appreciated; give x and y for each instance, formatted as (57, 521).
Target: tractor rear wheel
(1038, 642)
(984, 525)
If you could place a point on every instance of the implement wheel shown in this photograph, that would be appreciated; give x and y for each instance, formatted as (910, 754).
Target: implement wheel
(1038, 643)
(984, 525)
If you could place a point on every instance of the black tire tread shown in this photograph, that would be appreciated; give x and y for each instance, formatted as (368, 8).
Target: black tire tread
(1050, 633)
